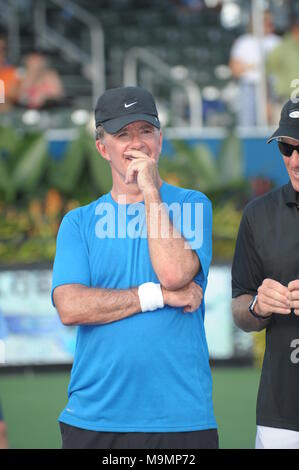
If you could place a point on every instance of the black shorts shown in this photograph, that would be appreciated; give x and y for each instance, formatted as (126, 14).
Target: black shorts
(78, 438)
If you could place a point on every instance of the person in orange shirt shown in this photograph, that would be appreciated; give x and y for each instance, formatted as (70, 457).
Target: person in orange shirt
(9, 79)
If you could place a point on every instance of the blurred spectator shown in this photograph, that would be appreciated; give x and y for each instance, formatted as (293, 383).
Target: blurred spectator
(283, 67)
(8, 76)
(188, 5)
(247, 55)
(260, 186)
(41, 85)
(3, 433)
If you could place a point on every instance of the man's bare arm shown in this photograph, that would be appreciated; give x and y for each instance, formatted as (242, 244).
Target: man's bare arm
(81, 305)
(174, 264)
(243, 318)
(239, 68)
(3, 436)
(272, 297)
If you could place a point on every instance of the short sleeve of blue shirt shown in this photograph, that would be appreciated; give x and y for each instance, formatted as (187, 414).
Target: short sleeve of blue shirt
(197, 230)
(71, 265)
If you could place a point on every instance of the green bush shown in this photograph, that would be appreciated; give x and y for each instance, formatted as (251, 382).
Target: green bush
(36, 190)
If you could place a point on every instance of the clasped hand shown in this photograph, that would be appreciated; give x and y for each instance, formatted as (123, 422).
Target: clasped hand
(274, 297)
(142, 170)
(188, 297)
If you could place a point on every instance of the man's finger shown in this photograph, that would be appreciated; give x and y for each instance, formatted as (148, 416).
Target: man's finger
(189, 309)
(136, 154)
(131, 176)
(267, 305)
(293, 285)
(271, 302)
(281, 311)
(134, 166)
(275, 285)
(273, 295)
(294, 295)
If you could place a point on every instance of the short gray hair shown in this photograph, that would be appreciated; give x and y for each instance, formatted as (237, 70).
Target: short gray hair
(100, 133)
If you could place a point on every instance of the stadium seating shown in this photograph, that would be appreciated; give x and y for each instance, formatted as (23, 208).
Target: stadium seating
(195, 40)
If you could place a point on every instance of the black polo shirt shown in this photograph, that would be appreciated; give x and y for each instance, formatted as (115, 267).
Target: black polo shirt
(268, 247)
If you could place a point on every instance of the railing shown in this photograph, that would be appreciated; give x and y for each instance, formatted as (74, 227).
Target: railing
(8, 12)
(93, 64)
(261, 88)
(139, 54)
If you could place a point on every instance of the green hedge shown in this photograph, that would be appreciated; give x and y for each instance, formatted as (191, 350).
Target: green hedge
(36, 190)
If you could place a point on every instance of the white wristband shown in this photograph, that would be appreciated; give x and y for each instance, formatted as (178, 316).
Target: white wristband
(150, 296)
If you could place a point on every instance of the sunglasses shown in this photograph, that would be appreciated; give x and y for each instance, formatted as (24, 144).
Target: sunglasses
(287, 149)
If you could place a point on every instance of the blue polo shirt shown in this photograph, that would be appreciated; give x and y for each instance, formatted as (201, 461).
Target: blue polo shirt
(148, 372)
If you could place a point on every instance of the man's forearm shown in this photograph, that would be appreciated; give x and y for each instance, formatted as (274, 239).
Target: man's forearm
(3, 436)
(243, 318)
(80, 305)
(174, 264)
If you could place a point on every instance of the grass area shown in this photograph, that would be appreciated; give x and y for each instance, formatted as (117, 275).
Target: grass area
(32, 402)
(235, 391)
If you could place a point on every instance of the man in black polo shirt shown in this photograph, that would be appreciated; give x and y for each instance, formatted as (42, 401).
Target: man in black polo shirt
(265, 290)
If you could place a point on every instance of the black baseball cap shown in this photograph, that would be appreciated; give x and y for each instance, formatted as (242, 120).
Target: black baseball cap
(119, 107)
(289, 122)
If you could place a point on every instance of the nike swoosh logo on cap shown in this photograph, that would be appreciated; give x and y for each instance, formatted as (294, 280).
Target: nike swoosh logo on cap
(130, 104)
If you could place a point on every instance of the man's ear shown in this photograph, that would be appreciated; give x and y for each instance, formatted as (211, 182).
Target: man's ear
(102, 149)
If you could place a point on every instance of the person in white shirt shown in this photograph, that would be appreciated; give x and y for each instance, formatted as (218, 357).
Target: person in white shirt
(247, 54)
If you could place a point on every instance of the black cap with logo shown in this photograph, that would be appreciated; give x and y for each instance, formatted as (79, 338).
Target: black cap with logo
(289, 122)
(119, 107)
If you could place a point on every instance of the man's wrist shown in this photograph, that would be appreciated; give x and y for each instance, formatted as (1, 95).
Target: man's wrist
(254, 309)
(150, 296)
(151, 194)
(165, 293)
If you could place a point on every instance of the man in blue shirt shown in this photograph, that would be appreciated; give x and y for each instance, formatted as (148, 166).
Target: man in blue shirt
(131, 271)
